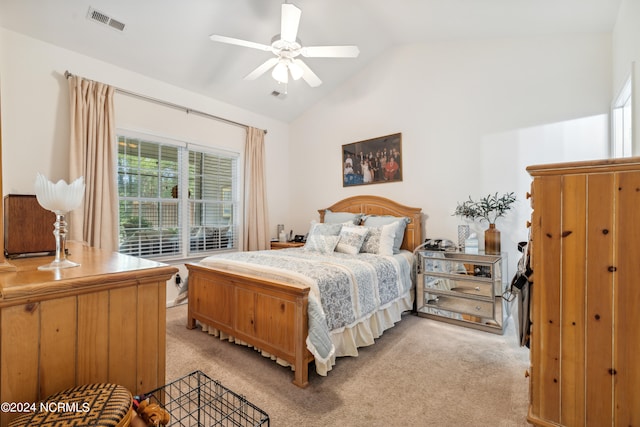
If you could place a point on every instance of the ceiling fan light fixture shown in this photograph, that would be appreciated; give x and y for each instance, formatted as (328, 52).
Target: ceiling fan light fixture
(295, 70)
(281, 73)
(287, 47)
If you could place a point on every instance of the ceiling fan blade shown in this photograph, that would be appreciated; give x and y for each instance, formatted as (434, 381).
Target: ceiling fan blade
(308, 75)
(245, 43)
(269, 63)
(289, 22)
(330, 51)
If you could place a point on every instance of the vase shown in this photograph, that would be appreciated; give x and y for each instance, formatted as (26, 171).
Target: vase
(492, 240)
(463, 234)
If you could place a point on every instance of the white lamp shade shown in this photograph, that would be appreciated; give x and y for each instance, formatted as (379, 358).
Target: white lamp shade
(280, 73)
(59, 197)
(296, 71)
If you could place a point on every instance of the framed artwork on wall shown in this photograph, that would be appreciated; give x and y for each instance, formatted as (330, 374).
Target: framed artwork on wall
(372, 161)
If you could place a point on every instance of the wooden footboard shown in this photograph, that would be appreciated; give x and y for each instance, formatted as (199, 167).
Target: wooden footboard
(267, 314)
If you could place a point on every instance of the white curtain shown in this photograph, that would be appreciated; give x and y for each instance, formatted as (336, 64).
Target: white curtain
(256, 226)
(93, 156)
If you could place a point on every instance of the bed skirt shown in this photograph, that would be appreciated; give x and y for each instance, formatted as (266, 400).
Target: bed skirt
(347, 340)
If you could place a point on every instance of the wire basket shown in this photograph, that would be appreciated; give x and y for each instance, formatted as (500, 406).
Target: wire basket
(197, 400)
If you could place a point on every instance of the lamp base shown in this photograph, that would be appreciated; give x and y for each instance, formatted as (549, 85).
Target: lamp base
(60, 233)
(56, 265)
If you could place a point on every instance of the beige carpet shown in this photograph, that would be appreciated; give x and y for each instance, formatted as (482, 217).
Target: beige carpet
(419, 373)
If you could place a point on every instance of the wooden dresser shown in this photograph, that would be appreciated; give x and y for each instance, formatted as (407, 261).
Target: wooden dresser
(585, 336)
(101, 322)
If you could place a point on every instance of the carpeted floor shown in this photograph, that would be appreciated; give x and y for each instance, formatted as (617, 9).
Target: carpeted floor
(419, 373)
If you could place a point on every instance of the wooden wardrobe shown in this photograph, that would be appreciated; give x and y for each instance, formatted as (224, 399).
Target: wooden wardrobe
(585, 307)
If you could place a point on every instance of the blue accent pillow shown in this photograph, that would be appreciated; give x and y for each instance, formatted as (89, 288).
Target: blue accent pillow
(342, 217)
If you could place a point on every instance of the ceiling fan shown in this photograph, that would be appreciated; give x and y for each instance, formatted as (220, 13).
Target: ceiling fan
(287, 48)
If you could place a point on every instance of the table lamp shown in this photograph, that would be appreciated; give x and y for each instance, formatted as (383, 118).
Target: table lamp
(60, 198)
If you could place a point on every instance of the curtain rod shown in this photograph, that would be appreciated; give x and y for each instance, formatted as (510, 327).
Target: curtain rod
(187, 110)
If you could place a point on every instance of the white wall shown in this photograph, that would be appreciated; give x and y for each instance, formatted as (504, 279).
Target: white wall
(626, 50)
(472, 114)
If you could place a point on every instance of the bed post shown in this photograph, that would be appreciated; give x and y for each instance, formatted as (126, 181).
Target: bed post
(301, 366)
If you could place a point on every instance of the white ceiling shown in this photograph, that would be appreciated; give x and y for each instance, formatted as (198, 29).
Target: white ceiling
(168, 39)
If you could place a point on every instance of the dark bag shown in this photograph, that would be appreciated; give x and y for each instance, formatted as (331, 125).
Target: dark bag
(521, 286)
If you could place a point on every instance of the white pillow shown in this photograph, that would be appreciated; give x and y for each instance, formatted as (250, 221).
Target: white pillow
(380, 240)
(351, 239)
(321, 243)
(379, 220)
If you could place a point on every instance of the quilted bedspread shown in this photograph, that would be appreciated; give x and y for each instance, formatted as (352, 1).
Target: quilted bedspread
(344, 289)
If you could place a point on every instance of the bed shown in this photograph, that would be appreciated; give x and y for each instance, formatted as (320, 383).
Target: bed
(272, 310)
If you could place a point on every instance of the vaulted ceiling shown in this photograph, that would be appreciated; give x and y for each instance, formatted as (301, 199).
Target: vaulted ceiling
(169, 40)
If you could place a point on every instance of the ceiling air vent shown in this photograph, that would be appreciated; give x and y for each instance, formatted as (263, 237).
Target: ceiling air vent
(103, 18)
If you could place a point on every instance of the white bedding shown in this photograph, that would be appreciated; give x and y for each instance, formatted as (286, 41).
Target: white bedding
(353, 299)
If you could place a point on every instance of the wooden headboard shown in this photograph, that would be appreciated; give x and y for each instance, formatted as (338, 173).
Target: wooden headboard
(375, 205)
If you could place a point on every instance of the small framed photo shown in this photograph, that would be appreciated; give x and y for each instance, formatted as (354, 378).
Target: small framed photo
(373, 161)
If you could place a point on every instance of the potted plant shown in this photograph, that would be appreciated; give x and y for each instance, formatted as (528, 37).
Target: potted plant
(488, 208)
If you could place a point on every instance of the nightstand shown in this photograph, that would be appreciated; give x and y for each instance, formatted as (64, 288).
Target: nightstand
(282, 245)
(460, 288)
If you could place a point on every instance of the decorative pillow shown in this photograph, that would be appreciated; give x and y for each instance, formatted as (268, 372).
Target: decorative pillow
(321, 243)
(378, 220)
(380, 240)
(324, 229)
(351, 239)
(341, 217)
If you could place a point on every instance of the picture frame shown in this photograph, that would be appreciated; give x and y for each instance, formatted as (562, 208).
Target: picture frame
(372, 161)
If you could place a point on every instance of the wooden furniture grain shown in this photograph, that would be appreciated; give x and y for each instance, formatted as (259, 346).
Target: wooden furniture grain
(28, 227)
(585, 255)
(284, 245)
(101, 322)
(272, 315)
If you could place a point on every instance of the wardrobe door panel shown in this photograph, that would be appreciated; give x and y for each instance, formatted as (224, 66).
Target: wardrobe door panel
(599, 286)
(573, 239)
(627, 302)
(546, 302)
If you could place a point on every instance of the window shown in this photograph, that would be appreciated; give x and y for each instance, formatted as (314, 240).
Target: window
(175, 200)
(621, 122)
